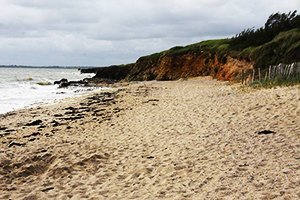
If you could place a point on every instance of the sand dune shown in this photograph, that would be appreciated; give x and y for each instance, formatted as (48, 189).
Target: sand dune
(193, 139)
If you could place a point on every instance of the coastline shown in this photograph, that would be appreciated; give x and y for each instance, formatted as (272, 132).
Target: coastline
(23, 87)
(186, 139)
(82, 91)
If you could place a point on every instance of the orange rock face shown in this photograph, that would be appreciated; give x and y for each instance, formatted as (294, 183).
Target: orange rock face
(176, 66)
(188, 65)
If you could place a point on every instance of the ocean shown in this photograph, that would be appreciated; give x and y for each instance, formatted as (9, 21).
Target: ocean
(25, 87)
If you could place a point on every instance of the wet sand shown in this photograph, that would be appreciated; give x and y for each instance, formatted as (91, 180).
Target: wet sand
(191, 139)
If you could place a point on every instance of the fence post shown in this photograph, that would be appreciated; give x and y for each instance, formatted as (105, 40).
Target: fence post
(259, 74)
(281, 66)
(266, 75)
(253, 74)
(291, 69)
(286, 70)
(242, 77)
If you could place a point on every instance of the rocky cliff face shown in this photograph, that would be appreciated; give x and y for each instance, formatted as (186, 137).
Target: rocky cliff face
(173, 67)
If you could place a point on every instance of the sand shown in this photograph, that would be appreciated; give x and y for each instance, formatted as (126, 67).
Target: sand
(187, 139)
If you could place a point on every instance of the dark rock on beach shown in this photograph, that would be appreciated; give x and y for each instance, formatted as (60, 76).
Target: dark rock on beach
(265, 132)
(34, 123)
(47, 189)
(11, 144)
(55, 123)
(3, 128)
(32, 135)
(61, 81)
(65, 83)
(73, 83)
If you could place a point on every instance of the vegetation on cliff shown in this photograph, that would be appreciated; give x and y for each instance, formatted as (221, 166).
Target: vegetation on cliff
(275, 24)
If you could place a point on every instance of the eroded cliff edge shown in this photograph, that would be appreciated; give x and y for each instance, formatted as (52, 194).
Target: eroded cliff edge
(176, 66)
(190, 64)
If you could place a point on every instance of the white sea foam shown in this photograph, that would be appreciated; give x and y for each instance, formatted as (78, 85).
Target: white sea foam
(22, 87)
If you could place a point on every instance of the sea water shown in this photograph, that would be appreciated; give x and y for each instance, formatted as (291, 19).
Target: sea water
(24, 87)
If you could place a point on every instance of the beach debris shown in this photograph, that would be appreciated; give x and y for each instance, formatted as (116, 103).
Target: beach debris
(34, 123)
(73, 118)
(117, 110)
(98, 114)
(6, 132)
(55, 123)
(70, 108)
(3, 134)
(9, 130)
(48, 135)
(42, 126)
(265, 132)
(13, 143)
(71, 112)
(150, 157)
(43, 150)
(47, 189)
(32, 135)
(152, 101)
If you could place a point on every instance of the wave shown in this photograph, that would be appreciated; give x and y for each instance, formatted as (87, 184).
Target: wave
(28, 79)
(17, 79)
(23, 87)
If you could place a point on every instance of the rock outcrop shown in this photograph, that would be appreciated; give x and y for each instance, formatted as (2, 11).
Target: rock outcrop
(173, 67)
(65, 83)
(115, 72)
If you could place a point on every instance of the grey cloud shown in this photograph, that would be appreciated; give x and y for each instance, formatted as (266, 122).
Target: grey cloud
(94, 32)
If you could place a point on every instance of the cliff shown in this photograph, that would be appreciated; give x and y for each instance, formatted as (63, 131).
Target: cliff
(216, 58)
(189, 64)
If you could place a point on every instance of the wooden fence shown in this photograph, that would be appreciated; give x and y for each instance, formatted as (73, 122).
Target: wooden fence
(283, 71)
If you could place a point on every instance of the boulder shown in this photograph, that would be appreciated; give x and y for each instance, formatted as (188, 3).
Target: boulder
(61, 81)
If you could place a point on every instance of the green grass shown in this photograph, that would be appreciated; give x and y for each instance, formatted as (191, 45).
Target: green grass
(246, 53)
(280, 81)
(220, 45)
(284, 48)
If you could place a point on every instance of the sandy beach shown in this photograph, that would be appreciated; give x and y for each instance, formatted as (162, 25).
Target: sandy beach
(186, 139)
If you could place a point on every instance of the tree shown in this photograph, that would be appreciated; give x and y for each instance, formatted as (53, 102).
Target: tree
(275, 24)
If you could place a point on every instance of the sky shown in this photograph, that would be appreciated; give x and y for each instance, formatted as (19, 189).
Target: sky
(107, 32)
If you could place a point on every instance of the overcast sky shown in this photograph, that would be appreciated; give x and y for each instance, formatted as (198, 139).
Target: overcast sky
(105, 32)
